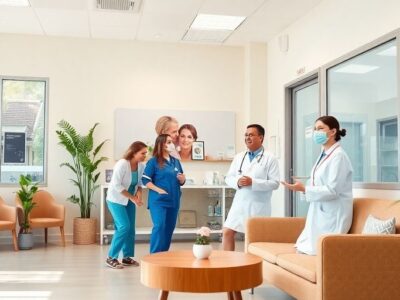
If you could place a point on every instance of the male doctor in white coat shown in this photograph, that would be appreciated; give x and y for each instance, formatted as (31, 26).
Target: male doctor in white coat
(254, 174)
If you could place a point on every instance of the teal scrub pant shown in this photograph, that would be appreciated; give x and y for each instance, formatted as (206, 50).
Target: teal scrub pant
(124, 222)
(164, 221)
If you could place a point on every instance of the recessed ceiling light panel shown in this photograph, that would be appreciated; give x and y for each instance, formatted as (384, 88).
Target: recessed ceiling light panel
(21, 3)
(216, 22)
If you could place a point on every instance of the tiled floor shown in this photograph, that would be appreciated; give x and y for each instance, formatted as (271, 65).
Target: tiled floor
(79, 272)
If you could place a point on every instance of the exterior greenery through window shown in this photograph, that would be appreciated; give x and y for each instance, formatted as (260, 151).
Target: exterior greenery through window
(23, 128)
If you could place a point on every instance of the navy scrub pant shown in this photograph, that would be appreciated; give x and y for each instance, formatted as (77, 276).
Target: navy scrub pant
(164, 221)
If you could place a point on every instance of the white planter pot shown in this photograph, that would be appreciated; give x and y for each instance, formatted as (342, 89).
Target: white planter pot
(25, 241)
(202, 251)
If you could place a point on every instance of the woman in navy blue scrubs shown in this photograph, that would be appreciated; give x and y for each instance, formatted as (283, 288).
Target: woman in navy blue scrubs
(164, 177)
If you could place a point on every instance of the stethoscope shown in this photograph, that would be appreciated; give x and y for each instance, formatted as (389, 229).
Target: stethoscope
(244, 156)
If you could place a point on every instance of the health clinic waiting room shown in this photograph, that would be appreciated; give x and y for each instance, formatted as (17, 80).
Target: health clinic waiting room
(251, 146)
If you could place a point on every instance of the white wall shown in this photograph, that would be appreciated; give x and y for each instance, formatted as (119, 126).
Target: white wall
(330, 30)
(90, 78)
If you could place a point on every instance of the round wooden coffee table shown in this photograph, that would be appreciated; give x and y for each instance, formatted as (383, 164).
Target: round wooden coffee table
(180, 271)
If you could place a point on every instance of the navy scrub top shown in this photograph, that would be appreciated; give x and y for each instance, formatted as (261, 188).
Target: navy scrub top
(164, 177)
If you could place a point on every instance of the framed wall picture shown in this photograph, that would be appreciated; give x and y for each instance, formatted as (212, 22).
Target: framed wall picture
(187, 219)
(205, 123)
(198, 150)
(109, 173)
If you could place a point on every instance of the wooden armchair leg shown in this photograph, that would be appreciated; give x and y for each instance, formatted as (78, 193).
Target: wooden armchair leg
(15, 242)
(45, 235)
(62, 236)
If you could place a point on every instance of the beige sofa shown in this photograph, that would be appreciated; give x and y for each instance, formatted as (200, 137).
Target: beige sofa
(347, 266)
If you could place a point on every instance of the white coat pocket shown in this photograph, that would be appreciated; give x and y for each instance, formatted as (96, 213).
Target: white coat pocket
(326, 219)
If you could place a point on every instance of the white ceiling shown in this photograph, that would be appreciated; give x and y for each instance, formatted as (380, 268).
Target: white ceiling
(157, 20)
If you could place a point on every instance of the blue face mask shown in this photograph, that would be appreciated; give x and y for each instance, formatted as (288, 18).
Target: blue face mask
(320, 137)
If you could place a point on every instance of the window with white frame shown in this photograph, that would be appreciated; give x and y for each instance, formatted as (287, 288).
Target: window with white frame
(23, 128)
(362, 94)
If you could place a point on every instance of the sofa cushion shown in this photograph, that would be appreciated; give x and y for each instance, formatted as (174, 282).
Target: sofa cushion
(300, 264)
(45, 222)
(270, 251)
(7, 225)
(381, 209)
(376, 226)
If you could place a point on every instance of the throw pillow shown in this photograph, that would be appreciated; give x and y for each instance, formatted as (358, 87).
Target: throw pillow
(376, 226)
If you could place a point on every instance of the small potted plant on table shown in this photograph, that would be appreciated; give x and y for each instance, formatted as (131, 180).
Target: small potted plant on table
(202, 248)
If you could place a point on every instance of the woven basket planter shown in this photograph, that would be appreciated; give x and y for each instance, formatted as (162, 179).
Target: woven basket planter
(84, 231)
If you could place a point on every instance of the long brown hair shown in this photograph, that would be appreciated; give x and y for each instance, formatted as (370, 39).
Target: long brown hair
(158, 151)
(191, 128)
(134, 148)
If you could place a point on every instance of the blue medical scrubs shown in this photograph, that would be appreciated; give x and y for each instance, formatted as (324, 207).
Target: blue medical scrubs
(124, 220)
(163, 207)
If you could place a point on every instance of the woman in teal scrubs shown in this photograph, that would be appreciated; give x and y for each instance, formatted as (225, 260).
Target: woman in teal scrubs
(123, 195)
(164, 177)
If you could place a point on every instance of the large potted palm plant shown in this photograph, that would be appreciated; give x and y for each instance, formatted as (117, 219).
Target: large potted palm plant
(85, 162)
(25, 205)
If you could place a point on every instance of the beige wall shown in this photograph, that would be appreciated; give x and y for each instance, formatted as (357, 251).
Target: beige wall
(330, 30)
(90, 78)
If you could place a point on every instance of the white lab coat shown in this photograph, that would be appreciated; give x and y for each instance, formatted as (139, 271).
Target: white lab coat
(329, 191)
(121, 180)
(254, 200)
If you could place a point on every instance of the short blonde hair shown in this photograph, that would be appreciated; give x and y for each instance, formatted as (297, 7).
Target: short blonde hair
(163, 124)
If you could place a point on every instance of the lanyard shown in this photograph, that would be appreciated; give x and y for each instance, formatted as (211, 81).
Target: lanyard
(321, 162)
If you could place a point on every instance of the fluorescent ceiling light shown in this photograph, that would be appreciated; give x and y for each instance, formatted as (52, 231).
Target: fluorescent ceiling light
(391, 51)
(216, 22)
(14, 3)
(356, 69)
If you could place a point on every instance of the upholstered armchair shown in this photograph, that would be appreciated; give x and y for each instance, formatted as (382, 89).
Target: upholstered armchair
(8, 220)
(46, 213)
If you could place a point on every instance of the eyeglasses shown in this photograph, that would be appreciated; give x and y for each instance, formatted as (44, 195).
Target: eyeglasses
(250, 135)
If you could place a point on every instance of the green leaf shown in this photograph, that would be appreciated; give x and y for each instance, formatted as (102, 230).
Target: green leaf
(96, 177)
(98, 148)
(73, 199)
(26, 192)
(69, 166)
(84, 165)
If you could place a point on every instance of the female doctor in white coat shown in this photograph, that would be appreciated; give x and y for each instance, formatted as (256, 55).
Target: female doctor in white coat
(254, 174)
(329, 190)
(124, 194)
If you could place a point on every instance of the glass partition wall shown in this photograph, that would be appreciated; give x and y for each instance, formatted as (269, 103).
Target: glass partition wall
(362, 94)
(305, 109)
(361, 91)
